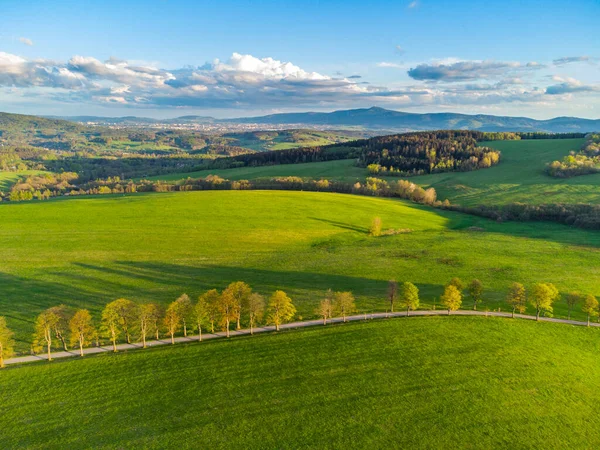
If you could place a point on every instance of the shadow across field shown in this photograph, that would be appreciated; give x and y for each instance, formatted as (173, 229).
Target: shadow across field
(342, 225)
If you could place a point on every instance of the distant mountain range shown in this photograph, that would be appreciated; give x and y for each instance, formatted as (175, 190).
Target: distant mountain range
(379, 118)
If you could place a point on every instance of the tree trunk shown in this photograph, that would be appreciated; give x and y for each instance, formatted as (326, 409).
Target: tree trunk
(1, 356)
(588, 320)
(143, 339)
(199, 332)
(324, 320)
(475, 306)
(127, 337)
(251, 325)
(276, 326)
(172, 338)
(114, 342)
(569, 317)
(448, 311)
(64, 343)
(513, 313)
(407, 309)
(212, 326)
(80, 346)
(184, 329)
(49, 351)
(227, 323)
(392, 306)
(238, 325)
(537, 314)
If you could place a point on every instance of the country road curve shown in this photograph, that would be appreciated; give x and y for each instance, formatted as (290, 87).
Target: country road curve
(302, 324)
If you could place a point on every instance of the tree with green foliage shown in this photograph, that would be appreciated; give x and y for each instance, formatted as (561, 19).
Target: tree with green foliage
(475, 289)
(111, 323)
(61, 326)
(126, 312)
(227, 308)
(325, 309)
(281, 309)
(572, 299)
(7, 343)
(184, 310)
(542, 297)
(392, 293)
(409, 296)
(82, 329)
(256, 309)
(44, 329)
(172, 319)
(212, 298)
(239, 293)
(343, 304)
(200, 315)
(457, 283)
(590, 307)
(451, 298)
(517, 298)
(375, 228)
(148, 317)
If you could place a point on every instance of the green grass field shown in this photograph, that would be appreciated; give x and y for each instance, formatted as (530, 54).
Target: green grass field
(434, 382)
(7, 179)
(519, 177)
(85, 252)
(344, 169)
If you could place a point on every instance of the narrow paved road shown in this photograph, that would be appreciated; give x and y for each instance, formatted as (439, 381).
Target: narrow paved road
(308, 323)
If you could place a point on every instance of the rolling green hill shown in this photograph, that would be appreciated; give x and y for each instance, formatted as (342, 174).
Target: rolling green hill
(434, 382)
(85, 252)
(519, 177)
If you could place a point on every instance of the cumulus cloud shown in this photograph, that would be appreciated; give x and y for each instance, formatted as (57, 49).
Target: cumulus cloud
(247, 81)
(26, 41)
(399, 50)
(570, 86)
(465, 70)
(413, 4)
(570, 59)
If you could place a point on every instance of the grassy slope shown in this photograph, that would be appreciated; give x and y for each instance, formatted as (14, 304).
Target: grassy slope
(7, 179)
(340, 170)
(495, 383)
(87, 251)
(519, 177)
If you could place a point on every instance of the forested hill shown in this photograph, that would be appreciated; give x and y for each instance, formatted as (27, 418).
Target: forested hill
(20, 123)
(380, 119)
(402, 121)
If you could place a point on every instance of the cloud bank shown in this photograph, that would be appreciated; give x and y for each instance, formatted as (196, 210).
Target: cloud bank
(248, 82)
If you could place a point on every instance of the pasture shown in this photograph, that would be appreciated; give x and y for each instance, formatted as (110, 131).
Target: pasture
(85, 252)
(436, 382)
(519, 177)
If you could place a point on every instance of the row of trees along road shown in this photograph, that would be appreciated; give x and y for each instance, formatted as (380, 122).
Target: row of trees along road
(123, 319)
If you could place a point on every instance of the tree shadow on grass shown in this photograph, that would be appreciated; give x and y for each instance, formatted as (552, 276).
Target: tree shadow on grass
(541, 230)
(342, 225)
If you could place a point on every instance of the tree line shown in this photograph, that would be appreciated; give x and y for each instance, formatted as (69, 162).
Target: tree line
(426, 152)
(584, 162)
(123, 320)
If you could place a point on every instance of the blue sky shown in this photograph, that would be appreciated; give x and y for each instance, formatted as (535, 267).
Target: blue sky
(164, 58)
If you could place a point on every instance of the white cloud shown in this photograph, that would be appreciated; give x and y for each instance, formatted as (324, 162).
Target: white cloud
(413, 4)
(26, 41)
(245, 81)
(466, 70)
(570, 59)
